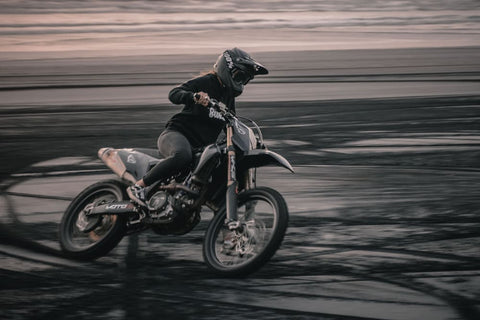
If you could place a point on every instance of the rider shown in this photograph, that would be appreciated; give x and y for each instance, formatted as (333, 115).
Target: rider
(198, 124)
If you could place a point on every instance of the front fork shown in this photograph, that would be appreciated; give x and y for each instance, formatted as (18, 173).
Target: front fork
(232, 184)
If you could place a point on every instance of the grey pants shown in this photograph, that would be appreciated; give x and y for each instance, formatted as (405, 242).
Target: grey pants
(177, 152)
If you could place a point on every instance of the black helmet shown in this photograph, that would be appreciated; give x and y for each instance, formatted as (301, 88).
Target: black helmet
(236, 68)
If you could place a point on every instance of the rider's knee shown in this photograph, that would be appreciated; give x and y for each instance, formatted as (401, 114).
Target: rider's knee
(182, 157)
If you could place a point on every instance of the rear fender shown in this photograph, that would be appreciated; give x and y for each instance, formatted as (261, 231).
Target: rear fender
(128, 164)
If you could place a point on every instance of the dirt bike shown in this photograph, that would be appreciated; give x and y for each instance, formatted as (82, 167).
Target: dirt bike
(249, 222)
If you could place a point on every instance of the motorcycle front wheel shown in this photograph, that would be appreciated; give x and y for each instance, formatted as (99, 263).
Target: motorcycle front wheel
(263, 215)
(87, 238)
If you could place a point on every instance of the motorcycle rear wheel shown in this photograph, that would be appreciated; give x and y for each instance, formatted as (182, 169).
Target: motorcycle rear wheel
(101, 233)
(263, 214)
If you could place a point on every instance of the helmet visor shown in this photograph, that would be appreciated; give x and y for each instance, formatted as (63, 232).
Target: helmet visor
(241, 76)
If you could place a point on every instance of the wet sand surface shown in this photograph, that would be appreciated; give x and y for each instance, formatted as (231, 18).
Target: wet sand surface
(384, 203)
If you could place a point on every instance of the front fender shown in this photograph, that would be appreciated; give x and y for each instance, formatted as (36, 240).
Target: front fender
(263, 157)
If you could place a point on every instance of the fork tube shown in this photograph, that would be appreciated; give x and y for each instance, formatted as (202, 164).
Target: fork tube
(231, 196)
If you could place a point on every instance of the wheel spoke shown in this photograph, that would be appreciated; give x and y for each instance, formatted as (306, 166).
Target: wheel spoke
(257, 217)
(81, 240)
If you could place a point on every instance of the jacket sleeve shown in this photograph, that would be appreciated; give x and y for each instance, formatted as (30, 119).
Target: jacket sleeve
(231, 104)
(183, 94)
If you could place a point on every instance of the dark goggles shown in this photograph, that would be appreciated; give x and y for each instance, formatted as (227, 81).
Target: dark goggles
(241, 76)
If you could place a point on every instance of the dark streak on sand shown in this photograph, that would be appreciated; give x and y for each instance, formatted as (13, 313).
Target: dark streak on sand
(384, 212)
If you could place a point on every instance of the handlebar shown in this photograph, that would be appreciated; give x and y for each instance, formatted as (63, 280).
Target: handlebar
(220, 107)
(230, 117)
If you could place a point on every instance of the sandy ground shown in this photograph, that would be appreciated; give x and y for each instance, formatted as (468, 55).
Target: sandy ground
(384, 202)
(32, 30)
(375, 104)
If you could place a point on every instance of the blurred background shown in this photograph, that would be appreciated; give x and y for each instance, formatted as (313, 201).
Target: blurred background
(375, 103)
(61, 29)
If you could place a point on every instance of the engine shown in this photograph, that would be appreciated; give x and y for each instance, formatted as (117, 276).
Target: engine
(173, 213)
(160, 204)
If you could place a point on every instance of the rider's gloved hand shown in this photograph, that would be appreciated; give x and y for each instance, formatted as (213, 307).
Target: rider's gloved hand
(201, 98)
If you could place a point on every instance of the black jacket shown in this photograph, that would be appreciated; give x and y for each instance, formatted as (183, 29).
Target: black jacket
(200, 125)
